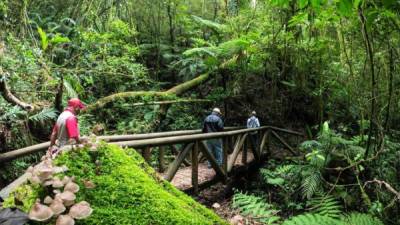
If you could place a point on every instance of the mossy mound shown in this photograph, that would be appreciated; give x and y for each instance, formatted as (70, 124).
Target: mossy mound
(129, 192)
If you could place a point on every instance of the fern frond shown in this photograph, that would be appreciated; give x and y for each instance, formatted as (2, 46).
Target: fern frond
(312, 219)
(45, 114)
(219, 28)
(70, 90)
(362, 219)
(210, 51)
(325, 206)
(255, 207)
(311, 184)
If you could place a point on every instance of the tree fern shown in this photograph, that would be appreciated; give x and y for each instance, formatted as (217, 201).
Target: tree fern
(325, 206)
(311, 183)
(318, 219)
(219, 28)
(45, 114)
(312, 219)
(362, 219)
(255, 207)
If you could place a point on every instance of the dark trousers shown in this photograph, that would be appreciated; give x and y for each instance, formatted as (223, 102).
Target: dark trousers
(254, 141)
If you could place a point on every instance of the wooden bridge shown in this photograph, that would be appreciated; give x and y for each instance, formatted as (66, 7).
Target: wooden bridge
(188, 167)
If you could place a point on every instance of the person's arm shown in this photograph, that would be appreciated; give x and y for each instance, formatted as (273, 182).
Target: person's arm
(73, 130)
(220, 125)
(257, 122)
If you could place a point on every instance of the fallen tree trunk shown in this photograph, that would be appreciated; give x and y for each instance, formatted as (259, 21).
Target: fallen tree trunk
(174, 91)
(9, 96)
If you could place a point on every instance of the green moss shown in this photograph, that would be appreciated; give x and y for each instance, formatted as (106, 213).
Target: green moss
(128, 191)
(23, 197)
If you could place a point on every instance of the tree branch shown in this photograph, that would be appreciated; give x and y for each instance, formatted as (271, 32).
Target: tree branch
(10, 97)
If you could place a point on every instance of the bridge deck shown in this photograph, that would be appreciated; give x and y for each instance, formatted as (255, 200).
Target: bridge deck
(183, 178)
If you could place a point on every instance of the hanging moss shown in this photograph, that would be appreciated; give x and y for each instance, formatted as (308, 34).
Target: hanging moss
(128, 191)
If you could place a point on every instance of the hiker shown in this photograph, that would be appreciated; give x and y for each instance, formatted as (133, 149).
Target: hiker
(66, 130)
(214, 123)
(253, 122)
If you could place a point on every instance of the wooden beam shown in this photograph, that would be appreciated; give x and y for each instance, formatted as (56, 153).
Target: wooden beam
(235, 153)
(174, 166)
(146, 152)
(264, 141)
(176, 152)
(213, 161)
(161, 159)
(286, 131)
(195, 168)
(244, 151)
(284, 143)
(225, 150)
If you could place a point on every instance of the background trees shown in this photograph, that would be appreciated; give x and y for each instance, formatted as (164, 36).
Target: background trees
(297, 63)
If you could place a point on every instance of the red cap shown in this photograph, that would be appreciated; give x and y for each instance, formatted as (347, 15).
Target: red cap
(75, 102)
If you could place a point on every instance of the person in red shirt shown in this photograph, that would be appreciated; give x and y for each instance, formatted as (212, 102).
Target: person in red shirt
(66, 129)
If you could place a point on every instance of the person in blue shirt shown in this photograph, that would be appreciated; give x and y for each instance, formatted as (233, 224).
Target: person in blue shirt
(253, 122)
(214, 123)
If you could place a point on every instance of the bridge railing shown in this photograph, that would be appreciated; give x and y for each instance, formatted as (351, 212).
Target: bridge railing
(11, 155)
(192, 147)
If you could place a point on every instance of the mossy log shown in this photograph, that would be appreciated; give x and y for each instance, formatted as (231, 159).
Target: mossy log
(128, 190)
(161, 95)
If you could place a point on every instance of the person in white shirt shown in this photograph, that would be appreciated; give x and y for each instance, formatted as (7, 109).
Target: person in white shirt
(253, 122)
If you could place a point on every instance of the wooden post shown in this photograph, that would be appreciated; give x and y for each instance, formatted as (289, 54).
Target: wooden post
(264, 141)
(147, 154)
(176, 152)
(161, 160)
(195, 168)
(225, 150)
(244, 151)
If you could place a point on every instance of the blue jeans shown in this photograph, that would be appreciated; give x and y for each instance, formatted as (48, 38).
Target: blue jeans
(215, 148)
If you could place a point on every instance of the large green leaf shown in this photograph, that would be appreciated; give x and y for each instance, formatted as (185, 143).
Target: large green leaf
(43, 38)
(345, 7)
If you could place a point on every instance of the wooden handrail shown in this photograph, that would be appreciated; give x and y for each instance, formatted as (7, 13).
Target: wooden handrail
(8, 156)
(189, 138)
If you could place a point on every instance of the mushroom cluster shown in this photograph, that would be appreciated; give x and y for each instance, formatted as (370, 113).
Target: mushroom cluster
(53, 207)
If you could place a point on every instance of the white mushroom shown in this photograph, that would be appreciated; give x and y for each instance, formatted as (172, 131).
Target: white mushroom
(72, 187)
(67, 197)
(57, 206)
(80, 210)
(66, 179)
(48, 200)
(57, 183)
(65, 220)
(40, 212)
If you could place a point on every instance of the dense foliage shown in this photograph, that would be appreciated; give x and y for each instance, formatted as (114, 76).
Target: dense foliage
(297, 63)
